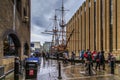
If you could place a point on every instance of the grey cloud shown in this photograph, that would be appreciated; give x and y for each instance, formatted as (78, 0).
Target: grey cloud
(43, 10)
(39, 21)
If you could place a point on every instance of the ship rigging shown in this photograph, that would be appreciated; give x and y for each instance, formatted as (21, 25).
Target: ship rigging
(59, 42)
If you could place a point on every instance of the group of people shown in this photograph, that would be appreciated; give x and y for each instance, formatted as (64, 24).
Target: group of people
(66, 57)
(97, 57)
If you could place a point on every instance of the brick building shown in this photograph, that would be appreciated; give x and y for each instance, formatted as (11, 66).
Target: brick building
(14, 31)
(96, 27)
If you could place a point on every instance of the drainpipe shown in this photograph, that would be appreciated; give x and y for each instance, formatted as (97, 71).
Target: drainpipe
(14, 14)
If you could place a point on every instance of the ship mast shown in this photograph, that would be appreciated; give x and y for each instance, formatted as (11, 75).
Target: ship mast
(62, 23)
(59, 36)
(54, 33)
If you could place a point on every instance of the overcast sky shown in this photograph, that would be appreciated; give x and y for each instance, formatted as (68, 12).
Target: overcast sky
(41, 13)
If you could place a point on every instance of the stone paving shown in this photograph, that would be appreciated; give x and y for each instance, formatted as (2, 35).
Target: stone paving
(49, 71)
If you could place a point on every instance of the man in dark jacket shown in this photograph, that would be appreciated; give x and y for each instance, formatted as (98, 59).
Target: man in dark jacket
(97, 59)
(102, 59)
(73, 58)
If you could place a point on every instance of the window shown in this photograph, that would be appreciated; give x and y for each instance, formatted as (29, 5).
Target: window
(111, 14)
(13, 1)
(85, 9)
(95, 25)
(9, 46)
(81, 28)
(89, 4)
(85, 29)
(26, 48)
(89, 23)
(111, 25)
(102, 19)
(24, 12)
(18, 5)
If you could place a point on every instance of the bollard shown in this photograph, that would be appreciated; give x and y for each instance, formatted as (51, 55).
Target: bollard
(89, 68)
(59, 70)
(21, 67)
(16, 69)
(112, 67)
(58, 56)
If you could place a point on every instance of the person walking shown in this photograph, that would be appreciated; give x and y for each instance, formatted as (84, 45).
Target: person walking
(79, 54)
(109, 58)
(89, 63)
(112, 61)
(97, 60)
(102, 60)
(65, 57)
(44, 55)
(73, 58)
(82, 56)
(94, 54)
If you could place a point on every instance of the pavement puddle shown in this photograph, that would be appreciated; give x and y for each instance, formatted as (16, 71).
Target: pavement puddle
(87, 77)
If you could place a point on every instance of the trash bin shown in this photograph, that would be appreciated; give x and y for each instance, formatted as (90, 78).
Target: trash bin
(31, 70)
(33, 59)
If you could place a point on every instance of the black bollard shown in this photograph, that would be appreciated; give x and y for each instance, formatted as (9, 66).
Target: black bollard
(20, 66)
(112, 67)
(16, 69)
(89, 68)
(57, 56)
(59, 70)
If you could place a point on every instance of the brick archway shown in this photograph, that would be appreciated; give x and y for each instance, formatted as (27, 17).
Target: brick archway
(11, 44)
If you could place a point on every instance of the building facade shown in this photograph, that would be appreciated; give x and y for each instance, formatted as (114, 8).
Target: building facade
(36, 47)
(96, 25)
(47, 47)
(14, 31)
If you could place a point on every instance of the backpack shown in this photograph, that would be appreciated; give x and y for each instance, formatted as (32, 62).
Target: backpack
(86, 55)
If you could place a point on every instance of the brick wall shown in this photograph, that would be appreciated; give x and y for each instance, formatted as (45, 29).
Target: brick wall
(22, 30)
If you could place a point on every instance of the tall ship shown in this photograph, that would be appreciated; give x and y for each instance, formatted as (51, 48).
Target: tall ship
(58, 32)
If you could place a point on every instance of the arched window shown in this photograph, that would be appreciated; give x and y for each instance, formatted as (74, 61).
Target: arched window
(26, 48)
(18, 6)
(9, 46)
